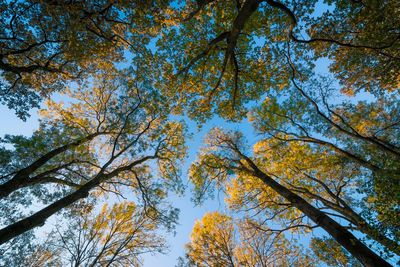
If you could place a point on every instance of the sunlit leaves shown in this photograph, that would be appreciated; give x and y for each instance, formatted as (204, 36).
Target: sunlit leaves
(111, 135)
(118, 235)
(219, 240)
(328, 251)
(371, 59)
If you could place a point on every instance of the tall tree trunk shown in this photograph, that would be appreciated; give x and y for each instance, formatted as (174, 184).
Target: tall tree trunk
(40, 217)
(359, 222)
(356, 248)
(376, 235)
(22, 177)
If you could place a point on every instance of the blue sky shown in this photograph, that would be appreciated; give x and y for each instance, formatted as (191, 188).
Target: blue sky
(11, 124)
(189, 213)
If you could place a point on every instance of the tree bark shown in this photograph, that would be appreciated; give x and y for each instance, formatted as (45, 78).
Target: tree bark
(374, 234)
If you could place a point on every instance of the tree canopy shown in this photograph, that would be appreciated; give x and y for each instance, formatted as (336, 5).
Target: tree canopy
(217, 241)
(115, 83)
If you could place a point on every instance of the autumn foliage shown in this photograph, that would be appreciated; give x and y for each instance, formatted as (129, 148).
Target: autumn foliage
(121, 87)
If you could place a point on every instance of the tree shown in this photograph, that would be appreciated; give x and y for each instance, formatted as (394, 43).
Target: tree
(328, 251)
(258, 248)
(365, 56)
(212, 241)
(228, 53)
(207, 57)
(14, 253)
(327, 181)
(111, 131)
(336, 148)
(46, 44)
(216, 241)
(224, 156)
(118, 235)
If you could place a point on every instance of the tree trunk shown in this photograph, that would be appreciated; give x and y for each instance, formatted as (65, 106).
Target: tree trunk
(356, 248)
(374, 234)
(10, 186)
(359, 222)
(22, 177)
(40, 217)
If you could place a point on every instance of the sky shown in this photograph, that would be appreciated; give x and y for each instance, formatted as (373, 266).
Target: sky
(189, 213)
